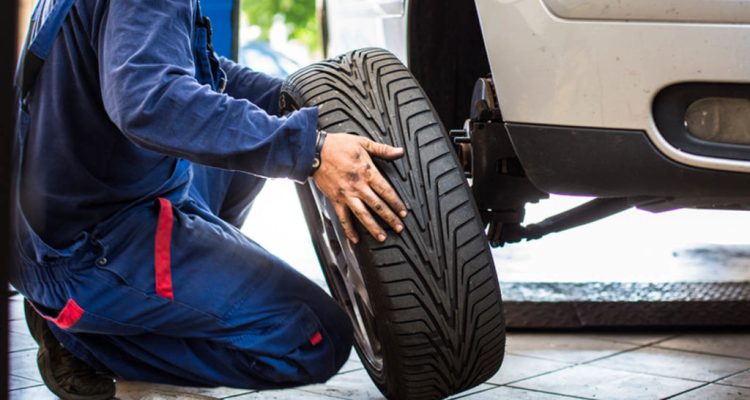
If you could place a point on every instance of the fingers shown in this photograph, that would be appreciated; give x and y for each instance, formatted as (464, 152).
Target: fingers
(350, 179)
(386, 192)
(364, 216)
(381, 150)
(342, 211)
(382, 209)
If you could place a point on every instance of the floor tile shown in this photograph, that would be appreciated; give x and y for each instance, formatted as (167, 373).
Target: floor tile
(570, 348)
(351, 365)
(352, 385)
(642, 338)
(466, 394)
(20, 342)
(601, 383)
(716, 392)
(514, 394)
(354, 356)
(17, 382)
(728, 344)
(127, 390)
(741, 379)
(675, 363)
(16, 310)
(23, 364)
(286, 394)
(32, 393)
(18, 326)
(519, 367)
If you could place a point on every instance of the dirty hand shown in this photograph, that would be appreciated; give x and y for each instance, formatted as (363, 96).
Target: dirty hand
(349, 178)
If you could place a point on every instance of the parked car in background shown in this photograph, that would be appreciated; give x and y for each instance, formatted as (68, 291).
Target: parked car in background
(635, 102)
(259, 55)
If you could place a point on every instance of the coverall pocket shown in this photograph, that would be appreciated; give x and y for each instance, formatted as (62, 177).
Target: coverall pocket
(65, 318)
(73, 318)
(136, 250)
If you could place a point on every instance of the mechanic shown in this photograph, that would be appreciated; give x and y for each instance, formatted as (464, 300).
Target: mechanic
(139, 153)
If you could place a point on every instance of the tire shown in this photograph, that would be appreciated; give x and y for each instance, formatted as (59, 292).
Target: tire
(426, 303)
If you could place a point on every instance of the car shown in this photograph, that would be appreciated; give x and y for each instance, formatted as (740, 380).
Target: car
(631, 102)
(259, 56)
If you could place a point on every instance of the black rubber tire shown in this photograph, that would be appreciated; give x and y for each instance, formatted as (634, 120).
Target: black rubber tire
(433, 288)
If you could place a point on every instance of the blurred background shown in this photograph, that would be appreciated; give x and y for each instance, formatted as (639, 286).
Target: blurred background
(279, 36)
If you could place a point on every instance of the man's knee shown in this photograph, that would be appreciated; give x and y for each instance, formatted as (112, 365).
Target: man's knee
(342, 338)
(334, 344)
(314, 357)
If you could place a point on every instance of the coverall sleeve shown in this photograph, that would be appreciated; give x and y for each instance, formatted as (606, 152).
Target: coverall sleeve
(150, 92)
(257, 87)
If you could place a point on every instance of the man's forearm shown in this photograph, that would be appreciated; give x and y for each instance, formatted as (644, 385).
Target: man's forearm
(257, 87)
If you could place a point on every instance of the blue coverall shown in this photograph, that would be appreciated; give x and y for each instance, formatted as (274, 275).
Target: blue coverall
(134, 173)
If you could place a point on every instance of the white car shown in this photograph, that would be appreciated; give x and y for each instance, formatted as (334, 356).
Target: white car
(637, 103)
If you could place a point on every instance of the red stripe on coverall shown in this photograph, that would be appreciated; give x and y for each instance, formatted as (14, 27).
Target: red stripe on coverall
(68, 316)
(162, 250)
(316, 338)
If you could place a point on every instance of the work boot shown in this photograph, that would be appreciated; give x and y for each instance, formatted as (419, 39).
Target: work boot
(65, 375)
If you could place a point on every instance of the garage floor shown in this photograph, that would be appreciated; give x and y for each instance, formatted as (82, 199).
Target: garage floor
(537, 366)
(695, 246)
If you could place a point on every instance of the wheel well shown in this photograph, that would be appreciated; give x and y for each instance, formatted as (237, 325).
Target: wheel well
(446, 54)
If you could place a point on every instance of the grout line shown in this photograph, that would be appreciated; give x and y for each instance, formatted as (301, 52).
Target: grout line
(22, 349)
(533, 376)
(635, 347)
(541, 358)
(553, 393)
(651, 374)
(731, 385)
(638, 347)
(348, 372)
(705, 353)
(713, 382)
(241, 394)
(669, 337)
(34, 381)
(571, 365)
(686, 391)
(586, 363)
(468, 395)
(661, 375)
(589, 363)
(26, 387)
(730, 375)
(322, 394)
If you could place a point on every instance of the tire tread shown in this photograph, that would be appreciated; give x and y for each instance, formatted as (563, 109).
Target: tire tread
(435, 284)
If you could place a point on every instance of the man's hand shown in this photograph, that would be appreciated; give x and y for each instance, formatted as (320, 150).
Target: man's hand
(350, 180)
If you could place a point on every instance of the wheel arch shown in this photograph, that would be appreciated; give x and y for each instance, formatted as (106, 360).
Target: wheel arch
(446, 53)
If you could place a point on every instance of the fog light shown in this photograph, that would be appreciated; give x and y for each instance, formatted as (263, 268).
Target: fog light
(720, 119)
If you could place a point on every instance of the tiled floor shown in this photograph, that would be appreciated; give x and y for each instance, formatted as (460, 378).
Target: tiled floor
(539, 366)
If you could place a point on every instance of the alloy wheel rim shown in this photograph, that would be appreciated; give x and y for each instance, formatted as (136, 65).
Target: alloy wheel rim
(347, 280)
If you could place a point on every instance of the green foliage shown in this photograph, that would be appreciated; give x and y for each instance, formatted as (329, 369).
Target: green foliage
(299, 15)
